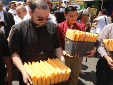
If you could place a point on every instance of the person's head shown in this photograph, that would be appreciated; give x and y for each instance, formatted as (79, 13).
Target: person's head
(21, 11)
(99, 14)
(13, 6)
(9, 5)
(103, 12)
(48, 2)
(18, 4)
(71, 14)
(57, 8)
(24, 4)
(1, 6)
(28, 3)
(83, 15)
(39, 12)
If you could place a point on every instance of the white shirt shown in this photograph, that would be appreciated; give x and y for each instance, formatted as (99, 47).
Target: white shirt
(18, 20)
(27, 8)
(62, 9)
(4, 8)
(2, 19)
(12, 11)
(53, 19)
(101, 23)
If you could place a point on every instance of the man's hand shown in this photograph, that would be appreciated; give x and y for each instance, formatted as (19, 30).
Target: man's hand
(27, 78)
(14, 14)
(8, 79)
(18, 62)
(0, 24)
(76, 55)
(92, 53)
(87, 25)
(110, 61)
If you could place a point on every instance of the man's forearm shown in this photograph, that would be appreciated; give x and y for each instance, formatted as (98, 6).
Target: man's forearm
(9, 64)
(59, 54)
(17, 61)
(95, 20)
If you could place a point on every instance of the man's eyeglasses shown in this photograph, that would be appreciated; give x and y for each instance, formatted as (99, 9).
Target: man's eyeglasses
(43, 19)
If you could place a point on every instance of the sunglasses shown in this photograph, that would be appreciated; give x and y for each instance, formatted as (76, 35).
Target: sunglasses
(47, 19)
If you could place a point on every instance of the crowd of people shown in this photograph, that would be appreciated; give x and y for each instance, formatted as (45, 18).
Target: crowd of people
(33, 32)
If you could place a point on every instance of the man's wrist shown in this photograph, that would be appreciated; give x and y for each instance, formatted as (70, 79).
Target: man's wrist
(106, 57)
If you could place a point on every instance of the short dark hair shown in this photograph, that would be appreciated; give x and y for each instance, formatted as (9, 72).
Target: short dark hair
(70, 8)
(13, 3)
(38, 4)
(104, 11)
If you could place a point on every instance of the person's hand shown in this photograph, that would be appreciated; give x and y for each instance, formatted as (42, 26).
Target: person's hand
(0, 24)
(14, 14)
(110, 61)
(92, 53)
(8, 79)
(27, 78)
(76, 55)
(87, 25)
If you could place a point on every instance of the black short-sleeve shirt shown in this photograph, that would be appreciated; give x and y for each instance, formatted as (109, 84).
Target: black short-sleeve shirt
(4, 51)
(28, 39)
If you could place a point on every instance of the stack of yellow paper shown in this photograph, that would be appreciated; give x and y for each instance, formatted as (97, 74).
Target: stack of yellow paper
(77, 35)
(108, 44)
(47, 72)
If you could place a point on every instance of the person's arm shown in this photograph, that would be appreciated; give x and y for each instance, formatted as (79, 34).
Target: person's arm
(100, 46)
(91, 53)
(95, 20)
(14, 46)
(18, 62)
(7, 59)
(59, 54)
(9, 65)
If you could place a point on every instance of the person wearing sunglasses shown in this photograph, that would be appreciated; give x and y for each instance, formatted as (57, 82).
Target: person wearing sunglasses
(83, 17)
(34, 40)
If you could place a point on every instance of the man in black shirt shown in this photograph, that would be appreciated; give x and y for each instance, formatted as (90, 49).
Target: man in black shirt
(35, 39)
(5, 57)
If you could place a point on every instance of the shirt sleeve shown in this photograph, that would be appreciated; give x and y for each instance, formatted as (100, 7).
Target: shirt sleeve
(98, 19)
(4, 45)
(103, 35)
(57, 39)
(14, 41)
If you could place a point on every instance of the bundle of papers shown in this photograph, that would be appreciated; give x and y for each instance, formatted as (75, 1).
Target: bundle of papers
(108, 44)
(47, 72)
(77, 35)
